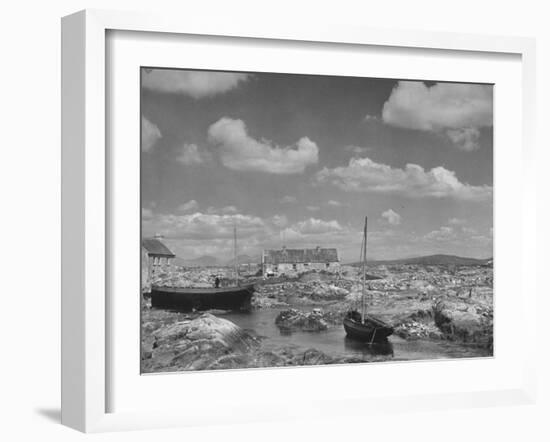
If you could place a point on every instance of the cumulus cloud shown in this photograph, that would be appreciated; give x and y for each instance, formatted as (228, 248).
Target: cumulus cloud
(391, 217)
(279, 220)
(450, 236)
(206, 226)
(314, 226)
(188, 206)
(466, 138)
(444, 233)
(190, 154)
(196, 84)
(334, 203)
(252, 229)
(239, 151)
(313, 208)
(150, 134)
(364, 175)
(456, 110)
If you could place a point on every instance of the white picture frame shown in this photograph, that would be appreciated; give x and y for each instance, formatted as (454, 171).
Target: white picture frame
(86, 209)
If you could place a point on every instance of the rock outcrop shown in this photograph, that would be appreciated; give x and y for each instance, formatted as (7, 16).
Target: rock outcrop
(465, 320)
(292, 320)
(203, 343)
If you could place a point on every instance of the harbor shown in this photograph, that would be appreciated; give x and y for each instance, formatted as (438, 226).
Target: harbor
(438, 311)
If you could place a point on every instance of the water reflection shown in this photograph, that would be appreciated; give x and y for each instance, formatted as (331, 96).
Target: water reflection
(382, 348)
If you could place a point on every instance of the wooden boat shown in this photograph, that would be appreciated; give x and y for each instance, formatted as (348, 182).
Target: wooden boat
(188, 299)
(360, 325)
(237, 297)
(371, 329)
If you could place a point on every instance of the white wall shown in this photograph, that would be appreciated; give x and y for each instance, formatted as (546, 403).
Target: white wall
(30, 182)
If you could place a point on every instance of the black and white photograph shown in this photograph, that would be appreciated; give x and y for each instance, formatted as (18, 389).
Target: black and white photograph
(299, 220)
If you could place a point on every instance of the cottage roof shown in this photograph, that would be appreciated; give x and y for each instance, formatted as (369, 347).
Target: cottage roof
(295, 256)
(156, 248)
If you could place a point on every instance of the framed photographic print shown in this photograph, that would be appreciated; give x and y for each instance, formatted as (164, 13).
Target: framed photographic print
(254, 253)
(280, 209)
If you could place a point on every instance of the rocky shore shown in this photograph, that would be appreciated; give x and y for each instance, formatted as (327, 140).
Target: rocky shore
(442, 306)
(207, 342)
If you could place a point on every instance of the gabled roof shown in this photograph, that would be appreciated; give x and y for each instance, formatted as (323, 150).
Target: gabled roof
(156, 248)
(295, 256)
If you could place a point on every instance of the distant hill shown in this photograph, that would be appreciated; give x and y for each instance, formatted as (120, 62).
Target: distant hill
(202, 261)
(432, 260)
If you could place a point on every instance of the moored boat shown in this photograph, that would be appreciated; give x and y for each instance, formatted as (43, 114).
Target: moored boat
(237, 297)
(188, 299)
(360, 325)
(371, 329)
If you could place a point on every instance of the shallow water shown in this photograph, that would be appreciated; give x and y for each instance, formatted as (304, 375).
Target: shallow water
(334, 343)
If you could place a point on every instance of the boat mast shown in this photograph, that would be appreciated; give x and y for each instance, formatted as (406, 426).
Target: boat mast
(235, 254)
(364, 260)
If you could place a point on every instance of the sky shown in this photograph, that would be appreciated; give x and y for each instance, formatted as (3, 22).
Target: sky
(301, 160)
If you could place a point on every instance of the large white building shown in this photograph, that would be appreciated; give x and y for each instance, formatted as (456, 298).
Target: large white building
(289, 261)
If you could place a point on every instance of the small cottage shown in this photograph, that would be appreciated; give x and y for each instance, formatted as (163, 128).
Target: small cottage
(154, 257)
(289, 261)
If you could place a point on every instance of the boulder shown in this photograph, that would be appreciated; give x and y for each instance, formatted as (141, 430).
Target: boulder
(324, 292)
(292, 320)
(464, 320)
(418, 330)
(201, 343)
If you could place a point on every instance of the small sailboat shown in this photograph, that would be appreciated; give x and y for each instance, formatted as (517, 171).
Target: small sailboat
(360, 325)
(237, 297)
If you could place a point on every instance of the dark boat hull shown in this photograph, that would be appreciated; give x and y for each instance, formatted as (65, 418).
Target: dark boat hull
(373, 330)
(189, 299)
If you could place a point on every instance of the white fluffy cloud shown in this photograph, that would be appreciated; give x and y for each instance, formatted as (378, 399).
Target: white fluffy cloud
(150, 134)
(312, 226)
(279, 220)
(456, 110)
(392, 217)
(444, 233)
(206, 226)
(196, 84)
(189, 206)
(364, 175)
(453, 235)
(239, 151)
(466, 138)
(190, 154)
